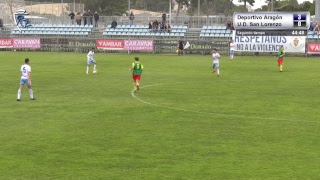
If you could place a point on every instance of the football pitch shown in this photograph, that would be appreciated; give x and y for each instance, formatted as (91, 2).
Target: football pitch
(252, 122)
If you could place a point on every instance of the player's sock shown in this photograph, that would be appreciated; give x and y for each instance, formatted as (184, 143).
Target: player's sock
(19, 94)
(280, 67)
(31, 93)
(138, 88)
(87, 69)
(231, 56)
(94, 67)
(134, 87)
(218, 72)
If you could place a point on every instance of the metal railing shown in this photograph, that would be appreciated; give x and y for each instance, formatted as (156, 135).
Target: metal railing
(191, 21)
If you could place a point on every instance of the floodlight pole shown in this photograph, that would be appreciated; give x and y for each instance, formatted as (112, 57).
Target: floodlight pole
(129, 7)
(62, 11)
(170, 11)
(272, 5)
(198, 7)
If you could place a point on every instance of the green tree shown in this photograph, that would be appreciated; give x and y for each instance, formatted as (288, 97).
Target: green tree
(180, 4)
(107, 7)
(251, 2)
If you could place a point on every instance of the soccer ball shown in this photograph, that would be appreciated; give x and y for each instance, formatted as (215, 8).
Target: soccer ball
(95, 72)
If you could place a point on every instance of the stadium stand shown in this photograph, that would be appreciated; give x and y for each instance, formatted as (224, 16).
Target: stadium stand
(144, 31)
(312, 35)
(215, 32)
(53, 30)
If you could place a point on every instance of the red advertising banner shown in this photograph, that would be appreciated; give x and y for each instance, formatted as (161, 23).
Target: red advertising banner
(138, 44)
(6, 42)
(32, 43)
(314, 48)
(110, 44)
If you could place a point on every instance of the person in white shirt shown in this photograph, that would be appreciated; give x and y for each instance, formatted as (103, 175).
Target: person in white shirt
(25, 79)
(91, 60)
(232, 49)
(215, 64)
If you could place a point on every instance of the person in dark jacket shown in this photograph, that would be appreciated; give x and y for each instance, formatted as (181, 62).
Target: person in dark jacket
(72, 15)
(96, 19)
(131, 18)
(90, 15)
(85, 17)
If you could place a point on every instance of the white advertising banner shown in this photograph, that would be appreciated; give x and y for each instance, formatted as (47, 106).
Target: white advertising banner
(270, 43)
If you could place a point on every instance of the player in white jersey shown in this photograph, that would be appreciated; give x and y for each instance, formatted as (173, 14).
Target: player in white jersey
(25, 79)
(232, 49)
(215, 64)
(91, 60)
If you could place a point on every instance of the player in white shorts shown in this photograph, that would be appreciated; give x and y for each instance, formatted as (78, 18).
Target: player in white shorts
(91, 60)
(25, 79)
(215, 64)
(232, 49)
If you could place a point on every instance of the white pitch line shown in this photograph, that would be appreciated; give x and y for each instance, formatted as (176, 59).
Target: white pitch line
(210, 113)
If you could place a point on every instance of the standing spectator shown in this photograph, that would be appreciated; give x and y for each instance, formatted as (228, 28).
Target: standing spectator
(78, 18)
(311, 28)
(72, 15)
(232, 27)
(229, 25)
(169, 28)
(131, 18)
(96, 19)
(1, 24)
(316, 30)
(150, 25)
(164, 18)
(85, 16)
(90, 15)
(114, 24)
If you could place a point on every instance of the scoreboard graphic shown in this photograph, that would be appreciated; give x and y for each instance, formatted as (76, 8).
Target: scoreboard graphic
(271, 23)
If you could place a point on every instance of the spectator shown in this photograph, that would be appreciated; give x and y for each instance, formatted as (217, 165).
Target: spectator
(96, 19)
(150, 25)
(114, 24)
(232, 27)
(169, 28)
(161, 27)
(131, 18)
(78, 18)
(155, 25)
(1, 24)
(90, 15)
(72, 15)
(316, 30)
(164, 17)
(229, 25)
(311, 28)
(85, 16)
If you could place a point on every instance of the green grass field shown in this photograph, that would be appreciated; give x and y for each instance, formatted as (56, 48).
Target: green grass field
(252, 122)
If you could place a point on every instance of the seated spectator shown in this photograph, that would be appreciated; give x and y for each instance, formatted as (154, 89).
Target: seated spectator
(169, 28)
(229, 25)
(311, 28)
(114, 24)
(1, 24)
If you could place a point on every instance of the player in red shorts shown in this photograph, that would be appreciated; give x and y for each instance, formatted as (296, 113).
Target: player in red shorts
(281, 53)
(136, 69)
